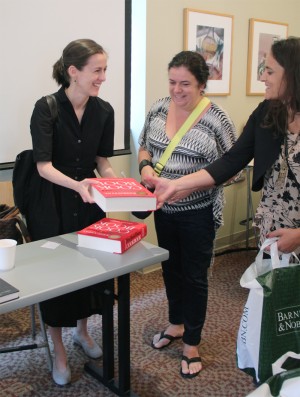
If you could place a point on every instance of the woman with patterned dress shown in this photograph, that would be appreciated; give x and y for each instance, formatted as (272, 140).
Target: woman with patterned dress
(186, 228)
(272, 138)
(67, 151)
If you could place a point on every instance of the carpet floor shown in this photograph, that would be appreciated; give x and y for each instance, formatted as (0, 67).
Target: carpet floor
(153, 373)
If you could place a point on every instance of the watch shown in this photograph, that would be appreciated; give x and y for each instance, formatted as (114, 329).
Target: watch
(143, 163)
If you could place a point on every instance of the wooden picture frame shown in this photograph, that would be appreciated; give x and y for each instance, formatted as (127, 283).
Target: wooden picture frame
(262, 35)
(211, 34)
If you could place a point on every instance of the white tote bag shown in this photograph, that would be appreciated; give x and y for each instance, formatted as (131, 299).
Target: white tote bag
(255, 353)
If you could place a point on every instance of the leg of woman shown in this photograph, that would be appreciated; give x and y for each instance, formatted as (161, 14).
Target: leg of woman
(168, 238)
(59, 349)
(61, 372)
(82, 338)
(82, 331)
(197, 233)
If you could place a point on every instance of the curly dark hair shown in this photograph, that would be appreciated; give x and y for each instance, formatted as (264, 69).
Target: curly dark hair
(195, 64)
(287, 54)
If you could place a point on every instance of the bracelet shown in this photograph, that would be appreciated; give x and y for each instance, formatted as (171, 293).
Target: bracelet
(143, 163)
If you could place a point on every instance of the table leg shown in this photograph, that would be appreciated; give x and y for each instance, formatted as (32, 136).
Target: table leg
(106, 373)
(124, 332)
(106, 376)
(108, 332)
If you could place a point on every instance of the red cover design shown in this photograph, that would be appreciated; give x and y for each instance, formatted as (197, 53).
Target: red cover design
(122, 194)
(112, 235)
(120, 187)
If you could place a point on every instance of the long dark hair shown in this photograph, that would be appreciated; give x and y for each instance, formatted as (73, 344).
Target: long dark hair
(287, 54)
(77, 54)
(195, 64)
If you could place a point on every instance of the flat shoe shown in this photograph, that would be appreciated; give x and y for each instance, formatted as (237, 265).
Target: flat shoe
(166, 336)
(93, 352)
(188, 361)
(61, 378)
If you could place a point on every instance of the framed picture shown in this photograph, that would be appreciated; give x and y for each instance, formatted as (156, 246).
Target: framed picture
(211, 35)
(262, 34)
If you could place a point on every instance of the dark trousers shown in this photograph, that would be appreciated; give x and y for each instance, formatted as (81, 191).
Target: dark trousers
(189, 238)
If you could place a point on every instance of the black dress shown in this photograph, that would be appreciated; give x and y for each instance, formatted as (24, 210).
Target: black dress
(55, 210)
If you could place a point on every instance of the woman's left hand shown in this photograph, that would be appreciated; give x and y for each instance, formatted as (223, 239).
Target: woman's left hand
(288, 239)
(84, 190)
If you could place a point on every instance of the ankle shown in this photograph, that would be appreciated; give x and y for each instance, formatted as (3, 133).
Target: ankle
(190, 351)
(61, 361)
(175, 329)
(81, 333)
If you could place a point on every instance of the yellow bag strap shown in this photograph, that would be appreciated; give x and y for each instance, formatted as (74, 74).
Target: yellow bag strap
(200, 109)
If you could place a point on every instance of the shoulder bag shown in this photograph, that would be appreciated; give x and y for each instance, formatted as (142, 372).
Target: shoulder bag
(25, 167)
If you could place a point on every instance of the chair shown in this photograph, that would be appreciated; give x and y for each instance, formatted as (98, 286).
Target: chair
(43, 344)
(12, 212)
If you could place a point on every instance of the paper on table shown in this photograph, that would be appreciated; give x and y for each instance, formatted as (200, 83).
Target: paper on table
(51, 245)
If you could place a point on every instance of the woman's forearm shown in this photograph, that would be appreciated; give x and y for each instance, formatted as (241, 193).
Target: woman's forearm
(47, 171)
(104, 167)
(200, 180)
(171, 191)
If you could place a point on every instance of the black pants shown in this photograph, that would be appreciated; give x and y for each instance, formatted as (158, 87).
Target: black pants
(189, 238)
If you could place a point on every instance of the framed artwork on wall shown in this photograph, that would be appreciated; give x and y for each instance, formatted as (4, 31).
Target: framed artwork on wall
(262, 34)
(210, 34)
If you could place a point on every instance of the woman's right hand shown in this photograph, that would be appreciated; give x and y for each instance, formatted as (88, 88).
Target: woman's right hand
(147, 173)
(288, 239)
(164, 188)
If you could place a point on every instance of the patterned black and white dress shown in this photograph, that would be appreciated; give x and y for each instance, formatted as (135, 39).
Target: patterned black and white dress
(280, 202)
(207, 141)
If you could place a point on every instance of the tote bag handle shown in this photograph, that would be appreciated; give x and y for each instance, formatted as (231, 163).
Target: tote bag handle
(274, 253)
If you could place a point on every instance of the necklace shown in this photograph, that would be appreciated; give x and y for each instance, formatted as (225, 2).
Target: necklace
(284, 164)
(282, 173)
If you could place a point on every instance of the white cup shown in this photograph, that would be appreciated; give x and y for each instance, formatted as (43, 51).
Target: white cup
(7, 254)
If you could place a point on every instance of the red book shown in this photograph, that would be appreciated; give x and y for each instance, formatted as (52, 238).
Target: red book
(122, 194)
(112, 235)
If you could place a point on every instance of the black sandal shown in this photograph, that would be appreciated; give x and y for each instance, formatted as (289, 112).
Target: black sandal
(188, 361)
(166, 336)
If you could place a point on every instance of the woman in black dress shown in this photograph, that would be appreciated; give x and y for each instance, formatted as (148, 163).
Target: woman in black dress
(67, 151)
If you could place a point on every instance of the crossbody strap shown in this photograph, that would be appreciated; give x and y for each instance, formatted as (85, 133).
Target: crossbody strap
(200, 109)
(51, 100)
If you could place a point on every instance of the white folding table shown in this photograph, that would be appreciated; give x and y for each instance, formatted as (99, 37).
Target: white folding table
(52, 267)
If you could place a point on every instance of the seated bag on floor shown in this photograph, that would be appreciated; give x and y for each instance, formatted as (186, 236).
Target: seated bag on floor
(285, 381)
(270, 323)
